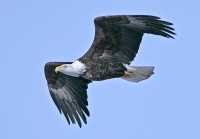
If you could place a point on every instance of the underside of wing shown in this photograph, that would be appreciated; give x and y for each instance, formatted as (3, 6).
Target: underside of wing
(118, 37)
(70, 96)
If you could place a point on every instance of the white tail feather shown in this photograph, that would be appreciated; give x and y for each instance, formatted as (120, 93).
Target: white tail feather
(137, 74)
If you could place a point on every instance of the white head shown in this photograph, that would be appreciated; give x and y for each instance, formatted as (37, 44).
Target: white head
(75, 69)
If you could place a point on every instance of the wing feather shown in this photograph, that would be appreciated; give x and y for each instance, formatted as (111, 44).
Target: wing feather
(69, 94)
(118, 37)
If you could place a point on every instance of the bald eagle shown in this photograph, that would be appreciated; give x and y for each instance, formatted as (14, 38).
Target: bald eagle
(116, 43)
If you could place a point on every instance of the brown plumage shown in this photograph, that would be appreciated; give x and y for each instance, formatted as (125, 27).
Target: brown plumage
(116, 43)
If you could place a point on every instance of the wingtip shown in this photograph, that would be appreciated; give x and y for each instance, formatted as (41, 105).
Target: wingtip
(79, 125)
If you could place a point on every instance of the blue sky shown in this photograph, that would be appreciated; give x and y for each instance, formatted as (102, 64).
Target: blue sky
(34, 32)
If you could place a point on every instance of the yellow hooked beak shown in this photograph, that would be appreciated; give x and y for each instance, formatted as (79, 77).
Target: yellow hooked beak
(59, 68)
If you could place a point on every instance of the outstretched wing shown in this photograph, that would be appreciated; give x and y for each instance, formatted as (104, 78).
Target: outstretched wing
(119, 37)
(69, 94)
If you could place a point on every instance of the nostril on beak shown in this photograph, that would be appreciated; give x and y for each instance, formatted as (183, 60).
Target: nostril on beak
(57, 69)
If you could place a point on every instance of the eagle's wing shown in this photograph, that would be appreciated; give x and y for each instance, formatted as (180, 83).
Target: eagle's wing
(119, 37)
(69, 94)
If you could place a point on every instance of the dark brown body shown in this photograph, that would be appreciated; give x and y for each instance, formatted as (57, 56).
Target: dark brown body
(101, 70)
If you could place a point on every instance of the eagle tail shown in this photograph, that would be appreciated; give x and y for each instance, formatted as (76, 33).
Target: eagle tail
(137, 73)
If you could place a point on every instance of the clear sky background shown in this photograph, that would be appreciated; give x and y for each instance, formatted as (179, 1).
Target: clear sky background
(33, 32)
